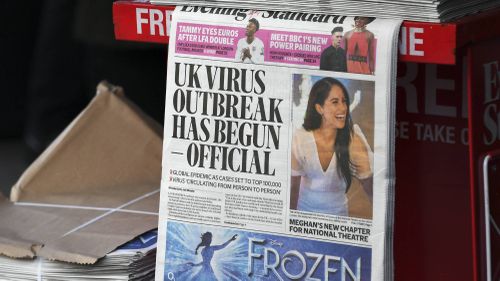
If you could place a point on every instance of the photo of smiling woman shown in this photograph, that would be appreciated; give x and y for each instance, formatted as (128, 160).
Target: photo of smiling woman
(329, 152)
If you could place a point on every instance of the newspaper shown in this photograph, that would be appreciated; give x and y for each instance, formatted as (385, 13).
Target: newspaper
(132, 261)
(278, 147)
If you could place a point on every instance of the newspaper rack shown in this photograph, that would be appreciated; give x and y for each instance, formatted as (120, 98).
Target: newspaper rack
(448, 117)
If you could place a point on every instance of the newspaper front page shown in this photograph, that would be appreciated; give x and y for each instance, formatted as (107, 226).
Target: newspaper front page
(277, 150)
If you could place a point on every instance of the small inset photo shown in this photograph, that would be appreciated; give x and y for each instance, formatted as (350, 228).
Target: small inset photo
(332, 146)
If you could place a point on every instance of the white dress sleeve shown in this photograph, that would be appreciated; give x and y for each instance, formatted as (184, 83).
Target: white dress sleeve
(361, 154)
(297, 165)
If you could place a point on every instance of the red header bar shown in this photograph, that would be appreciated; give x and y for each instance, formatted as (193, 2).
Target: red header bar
(136, 21)
(419, 42)
(427, 42)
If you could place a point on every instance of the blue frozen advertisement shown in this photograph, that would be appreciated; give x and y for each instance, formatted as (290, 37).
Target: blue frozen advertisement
(208, 253)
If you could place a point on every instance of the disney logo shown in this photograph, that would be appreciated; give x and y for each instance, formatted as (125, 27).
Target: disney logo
(276, 242)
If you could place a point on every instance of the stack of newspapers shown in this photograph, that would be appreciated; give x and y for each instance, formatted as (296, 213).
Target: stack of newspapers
(414, 10)
(278, 156)
(132, 261)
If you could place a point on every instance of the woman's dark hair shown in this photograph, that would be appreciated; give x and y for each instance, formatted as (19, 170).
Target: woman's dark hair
(312, 120)
(206, 239)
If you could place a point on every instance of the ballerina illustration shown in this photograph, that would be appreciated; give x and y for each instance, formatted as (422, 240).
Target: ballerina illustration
(206, 273)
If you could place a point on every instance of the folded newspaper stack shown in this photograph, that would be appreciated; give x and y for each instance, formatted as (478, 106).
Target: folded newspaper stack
(415, 10)
(96, 187)
(278, 160)
(132, 261)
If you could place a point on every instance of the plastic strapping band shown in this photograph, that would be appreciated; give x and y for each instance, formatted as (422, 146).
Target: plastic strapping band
(39, 270)
(110, 212)
(30, 204)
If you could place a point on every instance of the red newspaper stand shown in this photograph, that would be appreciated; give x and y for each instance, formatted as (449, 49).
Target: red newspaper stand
(448, 118)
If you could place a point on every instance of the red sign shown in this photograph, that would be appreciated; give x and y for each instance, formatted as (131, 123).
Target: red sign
(432, 206)
(427, 43)
(135, 21)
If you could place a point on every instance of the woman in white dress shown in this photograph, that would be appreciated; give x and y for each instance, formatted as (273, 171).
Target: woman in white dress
(327, 152)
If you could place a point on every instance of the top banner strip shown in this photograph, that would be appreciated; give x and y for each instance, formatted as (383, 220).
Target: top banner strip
(419, 42)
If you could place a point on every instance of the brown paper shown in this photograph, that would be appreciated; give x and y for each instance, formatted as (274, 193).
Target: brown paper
(109, 157)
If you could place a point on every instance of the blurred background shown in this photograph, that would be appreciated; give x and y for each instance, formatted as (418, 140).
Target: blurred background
(53, 54)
